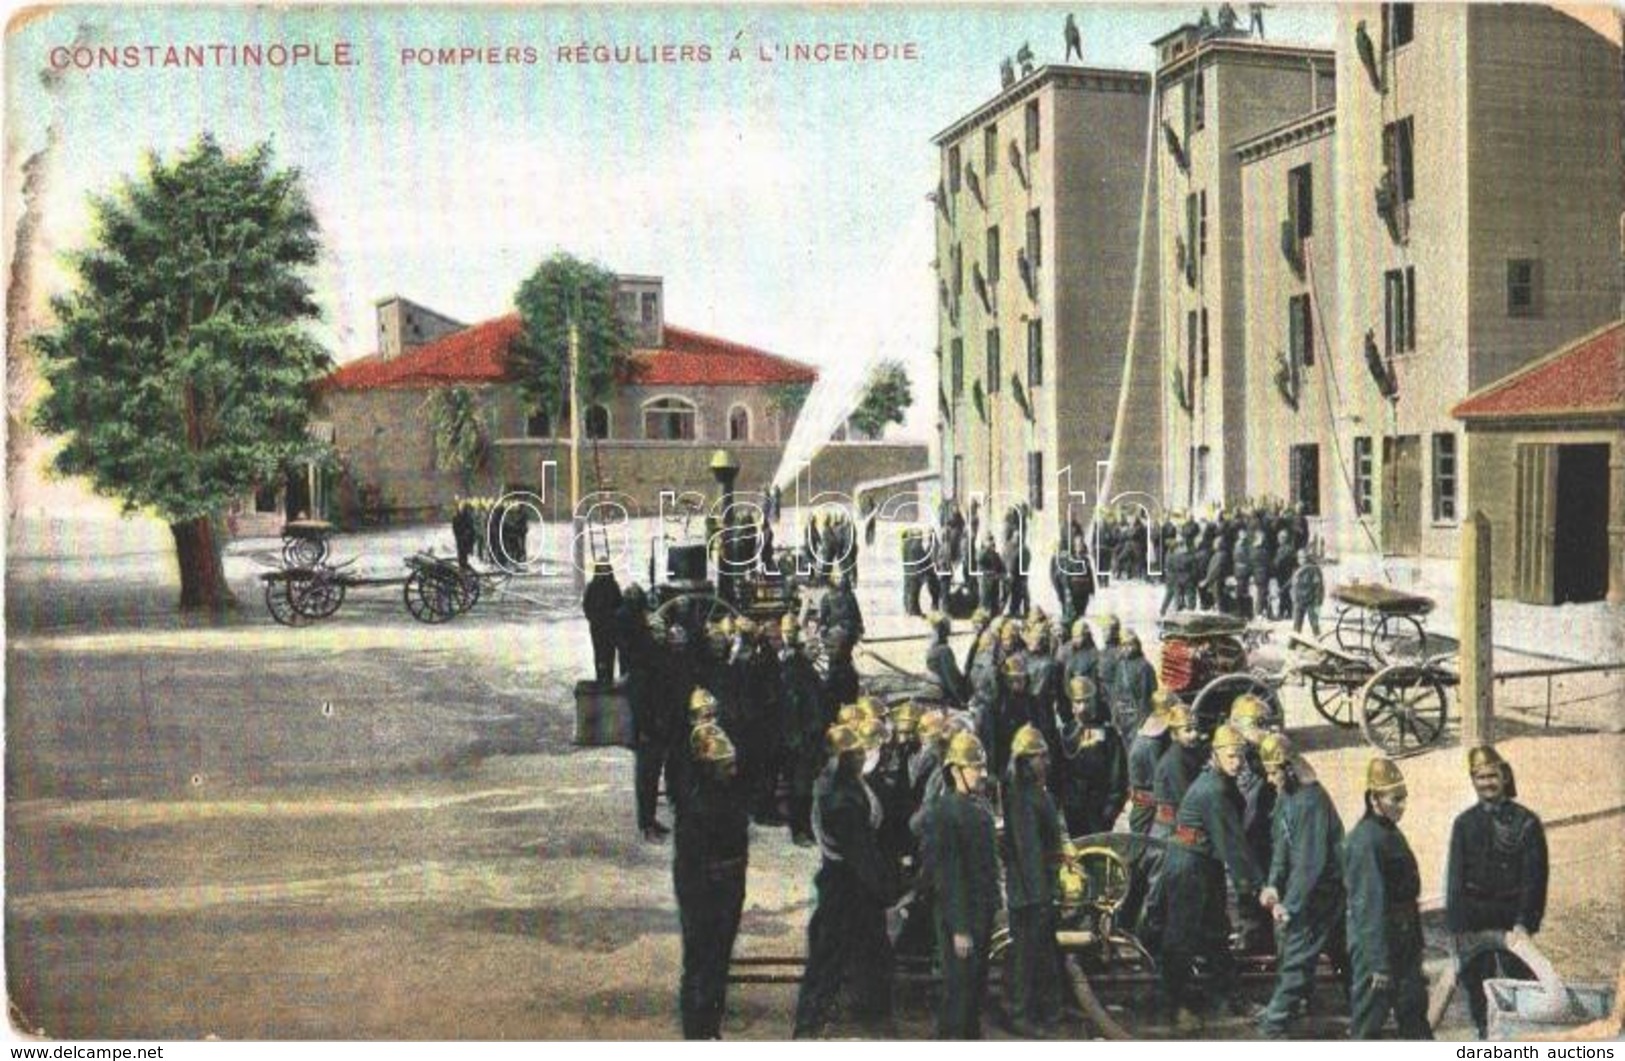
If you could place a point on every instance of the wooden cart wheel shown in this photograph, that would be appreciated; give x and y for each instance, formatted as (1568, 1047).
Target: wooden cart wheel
(1351, 633)
(1399, 639)
(304, 552)
(279, 605)
(696, 611)
(1403, 709)
(1212, 704)
(1334, 698)
(316, 597)
(425, 598)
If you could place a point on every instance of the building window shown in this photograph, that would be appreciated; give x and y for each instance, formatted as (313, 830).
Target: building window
(651, 307)
(993, 255)
(1398, 156)
(1198, 101)
(626, 304)
(1035, 480)
(1300, 205)
(1192, 340)
(1032, 126)
(1523, 287)
(1398, 25)
(1444, 478)
(1035, 353)
(1399, 300)
(265, 498)
(597, 422)
(1300, 330)
(539, 425)
(953, 169)
(1199, 462)
(1204, 342)
(990, 149)
(1190, 234)
(959, 270)
(1035, 239)
(1304, 478)
(668, 420)
(957, 365)
(1362, 475)
(993, 353)
(739, 424)
(1201, 219)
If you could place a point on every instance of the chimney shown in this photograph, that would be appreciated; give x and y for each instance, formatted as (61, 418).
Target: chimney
(403, 324)
(641, 302)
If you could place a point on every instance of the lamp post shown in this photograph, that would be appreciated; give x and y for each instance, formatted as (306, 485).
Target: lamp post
(725, 469)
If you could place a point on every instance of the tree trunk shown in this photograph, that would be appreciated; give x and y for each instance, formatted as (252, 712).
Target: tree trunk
(203, 578)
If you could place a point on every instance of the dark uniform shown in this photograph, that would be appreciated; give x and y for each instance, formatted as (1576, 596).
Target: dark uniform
(712, 847)
(839, 611)
(1176, 770)
(1496, 880)
(1307, 873)
(806, 715)
(1257, 823)
(1384, 930)
(1032, 850)
(1142, 771)
(846, 937)
(960, 859)
(600, 602)
(1131, 683)
(940, 662)
(657, 714)
(1207, 839)
(1093, 777)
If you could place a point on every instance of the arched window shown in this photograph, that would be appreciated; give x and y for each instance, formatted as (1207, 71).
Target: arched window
(668, 420)
(597, 422)
(739, 424)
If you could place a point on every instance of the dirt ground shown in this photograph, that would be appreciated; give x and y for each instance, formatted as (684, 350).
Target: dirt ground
(377, 829)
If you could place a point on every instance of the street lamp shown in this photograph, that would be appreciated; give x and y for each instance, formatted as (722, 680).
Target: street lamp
(725, 468)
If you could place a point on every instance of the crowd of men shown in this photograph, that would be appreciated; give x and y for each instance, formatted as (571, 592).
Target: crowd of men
(1041, 728)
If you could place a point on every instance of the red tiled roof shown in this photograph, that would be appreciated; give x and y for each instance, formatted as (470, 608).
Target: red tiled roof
(477, 354)
(1586, 376)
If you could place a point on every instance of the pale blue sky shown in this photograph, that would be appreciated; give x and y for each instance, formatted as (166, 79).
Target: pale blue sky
(783, 203)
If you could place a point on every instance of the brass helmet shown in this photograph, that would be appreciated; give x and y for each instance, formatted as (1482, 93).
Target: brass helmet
(1484, 755)
(842, 739)
(1382, 775)
(966, 750)
(726, 625)
(905, 719)
(702, 707)
(1249, 712)
(788, 624)
(985, 642)
(1035, 635)
(939, 623)
(1179, 717)
(1163, 703)
(1015, 667)
(709, 744)
(744, 627)
(1079, 689)
(933, 726)
(1028, 743)
(1228, 736)
(980, 617)
(1275, 749)
(1081, 631)
(873, 732)
(870, 706)
(1009, 633)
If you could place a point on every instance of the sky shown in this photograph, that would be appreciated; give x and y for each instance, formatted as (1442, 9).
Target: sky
(784, 203)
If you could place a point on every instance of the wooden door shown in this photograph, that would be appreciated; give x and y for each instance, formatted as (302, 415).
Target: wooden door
(1536, 515)
(1402, 495)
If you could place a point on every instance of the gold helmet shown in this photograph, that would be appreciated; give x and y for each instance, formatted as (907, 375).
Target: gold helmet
(932, 726)
(1228, 736)
(1035, 634)
(842, 739)
(965, 750)
(1015, 667)
(1249, 712)
(1382, 775)
(985, 642)
(709, 744)
(725, 626)
(1079, 689)
(1275, 749)
(870, 707)
(788, 624)
(1028, 743)
(1179, 717)
(1009, 633)
(873, 732)
(1484, 755)
(1163, 703)
(905, 719)
(702, 706)
(1080, 630)
(744, 627)
(980, 617)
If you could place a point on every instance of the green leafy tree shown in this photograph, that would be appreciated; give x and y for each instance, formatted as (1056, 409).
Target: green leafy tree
(459, 431)
(886, 397)
(565, 288)
(180, 369)
(786, 399)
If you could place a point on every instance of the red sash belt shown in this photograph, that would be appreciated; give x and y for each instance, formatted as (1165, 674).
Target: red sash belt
(1190, 835)
(1166, 812)
(1142, 797)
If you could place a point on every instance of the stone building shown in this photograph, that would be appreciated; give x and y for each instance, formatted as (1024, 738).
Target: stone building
(1216, 92)
(1478, 183)
(1036, 235)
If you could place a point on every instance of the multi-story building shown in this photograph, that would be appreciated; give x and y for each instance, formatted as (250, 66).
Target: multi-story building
(1215, 92)
(1290, 292)
(1478, 187)
(1037, 234)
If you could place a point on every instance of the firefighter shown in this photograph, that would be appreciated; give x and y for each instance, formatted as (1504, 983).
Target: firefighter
(841, 677)
(1149, 744)
(891, 784)
(1130, 686)
(1093, 782)
(1079, 657)
(1304, 886)
(846, 937)
(961, 863)
(939, 660)
(990, 576)
(806, 716)
(1495, 883)
(1014, 711)
(914, 565)
(1032, 849)
(653, 730)
(711, 849)
(1045, 684)
(599, 603)
(1384, 921)
(1251, 717)
(1208, 840)
(839, 611)
(1176, 770)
